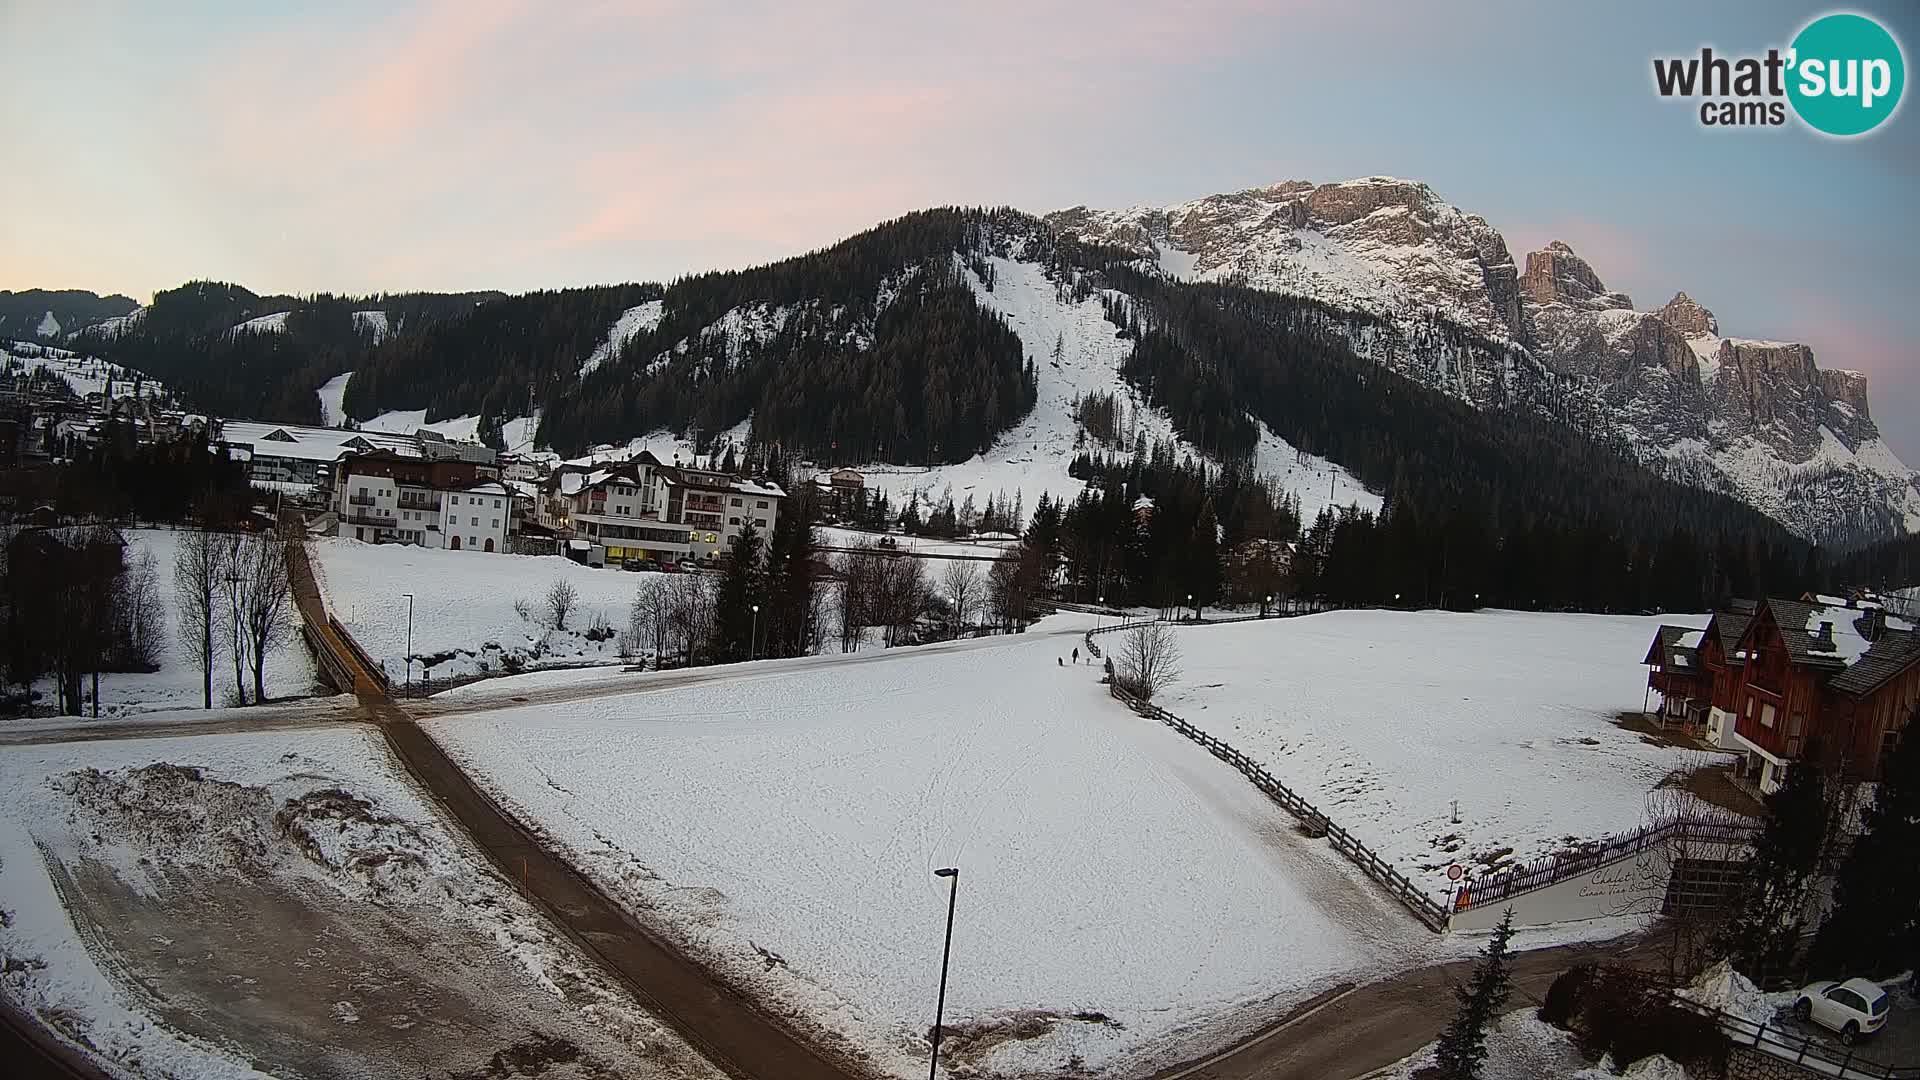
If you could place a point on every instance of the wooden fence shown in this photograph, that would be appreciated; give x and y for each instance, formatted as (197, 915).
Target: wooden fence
(1424, 907)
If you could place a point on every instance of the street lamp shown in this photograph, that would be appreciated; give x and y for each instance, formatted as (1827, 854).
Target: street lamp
(952, 874)
(1196, 615)
(753, 636)
(1266, 605)
(409, 597)
(1100, 617)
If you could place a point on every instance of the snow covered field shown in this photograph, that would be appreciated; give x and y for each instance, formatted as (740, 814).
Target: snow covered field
(1119, 887)
(177, 685)
(1382, 719)
(463, 606)
(142, 881)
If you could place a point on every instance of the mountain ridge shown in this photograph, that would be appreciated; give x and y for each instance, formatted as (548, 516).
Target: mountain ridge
(1754, 418)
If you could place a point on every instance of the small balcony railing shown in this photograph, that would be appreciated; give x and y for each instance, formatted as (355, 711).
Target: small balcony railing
(360, 500)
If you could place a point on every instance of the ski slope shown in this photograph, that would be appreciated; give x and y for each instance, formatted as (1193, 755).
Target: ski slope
(1033, 457)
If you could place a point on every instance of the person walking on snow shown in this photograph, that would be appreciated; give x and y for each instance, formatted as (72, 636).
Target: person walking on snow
(1076, 654)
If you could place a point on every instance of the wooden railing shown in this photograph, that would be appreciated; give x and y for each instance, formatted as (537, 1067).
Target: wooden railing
(1425, 908)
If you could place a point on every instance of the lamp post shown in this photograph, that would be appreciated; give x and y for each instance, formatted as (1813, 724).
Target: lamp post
(1196, 615)
(1267, 603)
(1100, 617)
(952, 874)
(753, 635)
(409, 597)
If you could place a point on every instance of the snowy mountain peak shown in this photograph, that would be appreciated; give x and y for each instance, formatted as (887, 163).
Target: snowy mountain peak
(1687, 317)
(1555, 275)
(1757, 419)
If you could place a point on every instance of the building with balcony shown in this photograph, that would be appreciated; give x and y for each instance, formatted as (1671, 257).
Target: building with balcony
(449, 502)
(644, 511)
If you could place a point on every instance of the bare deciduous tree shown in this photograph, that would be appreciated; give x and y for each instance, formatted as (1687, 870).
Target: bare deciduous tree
(199, 565)
(961, 583)
(143, 613)
(267, 609)
(648, 619)
(562, 597)
(1148, 659)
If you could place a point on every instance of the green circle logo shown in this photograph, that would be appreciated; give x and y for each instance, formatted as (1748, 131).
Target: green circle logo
(1847, 74)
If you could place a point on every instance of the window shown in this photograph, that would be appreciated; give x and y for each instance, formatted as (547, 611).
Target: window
(736, 502)
(496, 504)
(760, 522)
(733, 521)
(475, 522)
(1766, 716)
(363, 491)
(761, 505)
(495, 523)
(454, 499)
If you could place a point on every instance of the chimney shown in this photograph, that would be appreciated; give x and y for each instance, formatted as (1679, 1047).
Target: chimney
(1825, 637)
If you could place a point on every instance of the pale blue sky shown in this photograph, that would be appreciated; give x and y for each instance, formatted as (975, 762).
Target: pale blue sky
(506, 144)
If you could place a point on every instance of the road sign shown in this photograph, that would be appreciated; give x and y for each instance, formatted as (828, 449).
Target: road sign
(1455, 872)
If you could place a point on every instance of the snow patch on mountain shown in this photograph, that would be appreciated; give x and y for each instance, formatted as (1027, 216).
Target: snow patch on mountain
(333, 393)
(373, 322)
(275, 323)
(109, 329)
(49, 326)
(83, 374)
(408, 421)
(636, 320)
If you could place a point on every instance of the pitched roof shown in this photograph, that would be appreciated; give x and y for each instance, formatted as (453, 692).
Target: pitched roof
(1791, 616)
(1893, 653)
(1669, 648)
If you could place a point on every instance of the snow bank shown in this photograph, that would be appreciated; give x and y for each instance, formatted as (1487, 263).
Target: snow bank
(1383, 719)
(1520, 1046)
(323, 810)
(1118, 885)
(1721, 987)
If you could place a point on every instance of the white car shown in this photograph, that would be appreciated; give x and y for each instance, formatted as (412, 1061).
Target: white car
(1852, 1008)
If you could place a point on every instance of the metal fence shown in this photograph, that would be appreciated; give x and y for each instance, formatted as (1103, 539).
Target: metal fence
(1812, 1054)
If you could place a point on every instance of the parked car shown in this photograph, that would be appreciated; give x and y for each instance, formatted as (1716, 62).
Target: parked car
(1853, 1008)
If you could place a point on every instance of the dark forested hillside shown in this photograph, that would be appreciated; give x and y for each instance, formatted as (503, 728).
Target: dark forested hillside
(21, 313)
(1211, 354)
(191, 338)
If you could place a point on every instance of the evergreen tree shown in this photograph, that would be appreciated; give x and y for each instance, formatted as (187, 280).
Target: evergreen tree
(1874, 926)
(787, 620)
(1762, 937)
(741, 587)
(1463, 1046)
(1203, 559)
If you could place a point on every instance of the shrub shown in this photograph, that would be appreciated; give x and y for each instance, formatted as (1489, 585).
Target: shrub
(1564, 996)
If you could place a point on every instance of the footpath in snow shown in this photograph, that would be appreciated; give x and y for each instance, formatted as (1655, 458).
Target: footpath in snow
(1384, 719)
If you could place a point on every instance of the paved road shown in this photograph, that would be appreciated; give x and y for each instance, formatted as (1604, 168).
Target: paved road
(713, 1017)
(1366, 1029)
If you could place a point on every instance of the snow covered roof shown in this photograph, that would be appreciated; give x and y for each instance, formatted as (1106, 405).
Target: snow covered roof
(303, 443)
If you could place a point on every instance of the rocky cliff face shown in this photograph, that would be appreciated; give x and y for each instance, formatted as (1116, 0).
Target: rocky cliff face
(1758, 419)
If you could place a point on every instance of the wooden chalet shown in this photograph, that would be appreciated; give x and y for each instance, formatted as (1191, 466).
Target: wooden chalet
(1841, 673)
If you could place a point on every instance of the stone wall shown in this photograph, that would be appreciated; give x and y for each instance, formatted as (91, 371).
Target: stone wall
(1746, 1063)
